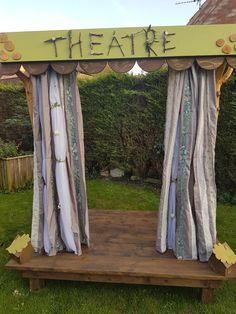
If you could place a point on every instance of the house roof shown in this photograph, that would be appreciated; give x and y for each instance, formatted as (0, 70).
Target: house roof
(215, 12)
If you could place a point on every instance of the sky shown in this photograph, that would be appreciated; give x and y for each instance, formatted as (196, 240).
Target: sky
(32, 15)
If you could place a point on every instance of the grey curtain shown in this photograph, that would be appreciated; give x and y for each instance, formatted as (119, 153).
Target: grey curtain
(60, 211)
(187, 213)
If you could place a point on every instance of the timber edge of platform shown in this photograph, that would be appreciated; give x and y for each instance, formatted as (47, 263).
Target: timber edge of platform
(122, 251)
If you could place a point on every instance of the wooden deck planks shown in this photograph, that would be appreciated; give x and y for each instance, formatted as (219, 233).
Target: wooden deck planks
(232, 274)
(123, 251)
(88, 264)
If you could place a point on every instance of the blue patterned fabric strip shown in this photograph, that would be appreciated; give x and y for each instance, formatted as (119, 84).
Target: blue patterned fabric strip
(183, 154)
(69, 81)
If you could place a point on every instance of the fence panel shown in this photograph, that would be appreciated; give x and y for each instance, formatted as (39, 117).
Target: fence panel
(16, 172)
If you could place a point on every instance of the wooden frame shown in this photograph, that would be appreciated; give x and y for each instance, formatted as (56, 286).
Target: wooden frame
(118, 43)
(120, 260)
(122, 251)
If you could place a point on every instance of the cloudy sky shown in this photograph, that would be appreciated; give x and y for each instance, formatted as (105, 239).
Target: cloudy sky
(24, 15)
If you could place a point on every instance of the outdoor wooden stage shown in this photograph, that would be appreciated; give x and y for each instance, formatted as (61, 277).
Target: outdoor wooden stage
(122, 251)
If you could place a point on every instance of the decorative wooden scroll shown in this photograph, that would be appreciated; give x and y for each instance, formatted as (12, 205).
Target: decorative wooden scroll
(9, 68)
(208, 63)
(151, 65)
(64, 67)
(92, 67)
(36, 68)
(120, 66)
(180, 64)
(231, 62)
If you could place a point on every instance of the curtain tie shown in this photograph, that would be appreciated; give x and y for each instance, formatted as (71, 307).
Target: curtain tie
(60, 160)
(55, 105)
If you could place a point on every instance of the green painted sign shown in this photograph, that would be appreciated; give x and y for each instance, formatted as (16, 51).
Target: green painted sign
(119, 43)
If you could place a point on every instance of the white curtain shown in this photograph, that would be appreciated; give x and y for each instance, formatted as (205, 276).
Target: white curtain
(60, 212)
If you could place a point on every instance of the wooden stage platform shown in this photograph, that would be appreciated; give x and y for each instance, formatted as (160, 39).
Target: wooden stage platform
(122, 251)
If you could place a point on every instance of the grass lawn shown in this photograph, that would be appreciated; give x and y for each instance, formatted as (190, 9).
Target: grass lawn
(74, 297)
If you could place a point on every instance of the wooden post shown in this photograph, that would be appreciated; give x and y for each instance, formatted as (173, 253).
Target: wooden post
(36, 284)
(223, 73)
(28, 91)
(8, 175)
(207, 295)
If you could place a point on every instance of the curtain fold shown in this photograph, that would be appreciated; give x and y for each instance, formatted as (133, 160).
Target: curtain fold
(187, 213)
(76, 147)
(175, 86)
(57, 203)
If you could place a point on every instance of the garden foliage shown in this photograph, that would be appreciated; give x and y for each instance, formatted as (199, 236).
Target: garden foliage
(124, 122)
(226, 142)
(14, 119)
(8, 149)
(124, 117)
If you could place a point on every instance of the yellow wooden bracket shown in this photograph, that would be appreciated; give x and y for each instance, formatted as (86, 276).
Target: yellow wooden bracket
(19, 244)
(224, 253)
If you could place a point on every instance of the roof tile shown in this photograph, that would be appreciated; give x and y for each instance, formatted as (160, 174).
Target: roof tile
(215, 12)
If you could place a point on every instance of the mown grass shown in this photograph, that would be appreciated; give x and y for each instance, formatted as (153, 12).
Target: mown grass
(121, 196)
(74, 297)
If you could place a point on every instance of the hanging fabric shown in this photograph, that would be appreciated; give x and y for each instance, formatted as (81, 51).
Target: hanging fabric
(187, 213)
(60, 211)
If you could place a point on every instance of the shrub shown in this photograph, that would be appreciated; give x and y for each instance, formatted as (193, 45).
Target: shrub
(8, 149)
(14, 117)
(124, 117)
(226, 142)
(124, 122)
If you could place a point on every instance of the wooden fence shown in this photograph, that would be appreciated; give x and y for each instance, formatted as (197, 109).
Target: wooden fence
(16, 172)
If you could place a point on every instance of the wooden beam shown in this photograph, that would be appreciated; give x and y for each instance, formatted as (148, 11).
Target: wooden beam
(123, 278)
(119, 43)
(36, 284)
(28, 91)
(223, 73)
(207, 295)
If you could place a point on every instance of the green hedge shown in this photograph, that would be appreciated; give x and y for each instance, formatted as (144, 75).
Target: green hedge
(124, 122)
(226, 142)
(124, 126)
(14, 118)
(8, 149)
(124, 118)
